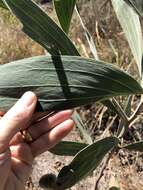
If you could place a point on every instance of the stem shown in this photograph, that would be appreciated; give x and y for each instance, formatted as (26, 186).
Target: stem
(121, 112)
(137, 112)
(124, 124)
(123, 127)
(82, 127)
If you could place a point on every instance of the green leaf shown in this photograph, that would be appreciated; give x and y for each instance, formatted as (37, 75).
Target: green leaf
(67, 148)
(137, 5)
(63, 82)
(128, 106)
(85, 162)
(88, 36)
(107, 103)
(130, 23)
(2, 4)
(127, 110)
(138, 146)
(82, 128)
(64, 10)
(41, 28)
(43, 31)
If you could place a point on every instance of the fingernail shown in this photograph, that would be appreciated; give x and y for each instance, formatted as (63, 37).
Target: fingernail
(27, 99)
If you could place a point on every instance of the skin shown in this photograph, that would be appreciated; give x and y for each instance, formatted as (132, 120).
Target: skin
(16, 156)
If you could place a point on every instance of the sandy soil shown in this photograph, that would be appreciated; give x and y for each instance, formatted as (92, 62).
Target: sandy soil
(127, 167)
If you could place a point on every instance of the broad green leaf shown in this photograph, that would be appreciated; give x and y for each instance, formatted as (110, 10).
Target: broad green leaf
(63, 82)
(41, 28)
(64, 10)
(130, 23)
(137, 5)
(138, 146)
(85, 162)
(2, 4)
(67, 148)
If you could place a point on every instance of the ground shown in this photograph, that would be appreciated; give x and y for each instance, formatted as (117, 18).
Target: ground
(127, 167)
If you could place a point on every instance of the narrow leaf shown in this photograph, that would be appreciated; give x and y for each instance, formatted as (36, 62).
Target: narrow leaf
(67, 148)
(138, 146)
(41, 28)
(88, 36)
(82, 128)
(63, 82)
(130, 23)
(85, 162)
(64, 10)
(128, 105)
(137, 5)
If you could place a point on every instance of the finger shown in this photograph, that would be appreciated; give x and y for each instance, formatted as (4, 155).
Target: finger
(44, 126)
(18, 152)
(16, 118)
(21, 170)
(22, 160)
(18, 138)
(51, 138)
(47, 124)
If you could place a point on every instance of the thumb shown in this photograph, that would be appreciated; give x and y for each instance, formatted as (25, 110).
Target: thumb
(16, 118)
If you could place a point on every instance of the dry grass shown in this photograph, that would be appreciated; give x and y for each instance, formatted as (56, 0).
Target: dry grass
(14, 44)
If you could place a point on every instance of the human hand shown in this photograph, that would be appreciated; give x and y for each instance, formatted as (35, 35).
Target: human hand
(16, 156)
